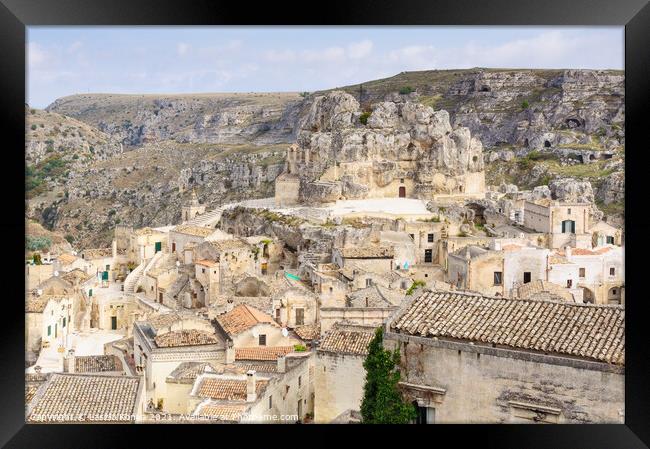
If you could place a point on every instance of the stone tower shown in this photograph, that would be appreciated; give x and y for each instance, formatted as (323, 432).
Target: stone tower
(192, 208)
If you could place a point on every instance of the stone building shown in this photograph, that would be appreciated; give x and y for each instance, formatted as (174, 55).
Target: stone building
(339, 373)
(474, 359)
(247, 326)
(567, 224)
(192, 208)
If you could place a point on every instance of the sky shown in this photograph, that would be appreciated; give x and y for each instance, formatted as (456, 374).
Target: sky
(73, 60)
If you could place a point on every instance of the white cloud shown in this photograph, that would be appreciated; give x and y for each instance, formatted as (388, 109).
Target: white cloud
(280, 55)
(36, 55)
(358, 50)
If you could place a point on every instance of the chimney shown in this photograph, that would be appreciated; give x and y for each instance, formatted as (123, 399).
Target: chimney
(282, 364)
(230, 353)
(251, 395)
(567, 252)
(68, 362)
(37, 369)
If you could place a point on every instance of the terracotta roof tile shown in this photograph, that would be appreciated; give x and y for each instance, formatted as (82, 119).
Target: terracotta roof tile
(85, 398)
(347, 340)
(97, 363)
(262, 352)
(186, 337)
(227, 389)
(308, 332)
(242, 318)
(589, 331)
(221, 412)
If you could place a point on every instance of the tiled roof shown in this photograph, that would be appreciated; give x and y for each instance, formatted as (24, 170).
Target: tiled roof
(228, 244)
(345, 340)
(308, 332)
(197, 231)
(189, 371)
(186, 337)
(37, 304)
(588, 331)
(368, 252)
(242, 318)
(531, 290)
(97, 363)
(76, 276)
(227, 389)
(32, 382)
(221, 412)
(85, 398)
(367, 297)
(207, 263)
(262, 352)
(258, 366)
(160, 320)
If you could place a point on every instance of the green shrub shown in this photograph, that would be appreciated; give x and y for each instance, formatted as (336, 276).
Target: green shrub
(69, 238)
(406, 90)
(363, 118)
(304, 94)
(33, 127)
(36, 258)
(414, 286)
(299, 348)
(524, 104)
(37, 243)
(32, 111)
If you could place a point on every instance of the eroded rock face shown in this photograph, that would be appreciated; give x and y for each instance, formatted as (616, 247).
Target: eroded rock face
(398, 141)
(571, 190)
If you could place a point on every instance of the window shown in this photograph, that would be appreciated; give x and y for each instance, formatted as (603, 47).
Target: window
(568, 226)
(277, 314)
(401, 180)
(569, 283)
(581, 272)
(368, 282)
(331, 289)
(498, 278)
(428, 255)
(299, 380)
(262, 340)
(63, 322)
(613, 293)
(202, 270)
(429, 237)
(612, 271)
(49, 330)
(526, 277)
(412, 236)
(610, 240)
(425, 415)
(173, 247)
(568, 211)
(270, 402)
(300, 317)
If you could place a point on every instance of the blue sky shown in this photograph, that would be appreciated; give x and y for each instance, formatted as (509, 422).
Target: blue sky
(68, 60)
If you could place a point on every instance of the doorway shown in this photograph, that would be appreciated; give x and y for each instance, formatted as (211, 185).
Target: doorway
(158, 246)
(402, 192)
(114, 323)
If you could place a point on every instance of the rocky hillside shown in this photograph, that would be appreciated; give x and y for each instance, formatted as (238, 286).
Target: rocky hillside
(257, 118)
(95, 160)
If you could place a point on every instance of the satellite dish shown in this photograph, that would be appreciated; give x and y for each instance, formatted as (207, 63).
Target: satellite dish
(285, 332)
(56, 273)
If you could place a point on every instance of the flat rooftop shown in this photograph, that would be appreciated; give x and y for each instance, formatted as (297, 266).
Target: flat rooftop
(392, 206)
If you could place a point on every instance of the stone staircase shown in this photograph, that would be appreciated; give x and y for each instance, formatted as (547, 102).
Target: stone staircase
(210, 219)
(131, 281)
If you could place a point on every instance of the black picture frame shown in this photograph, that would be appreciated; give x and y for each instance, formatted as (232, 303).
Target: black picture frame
(15, 15)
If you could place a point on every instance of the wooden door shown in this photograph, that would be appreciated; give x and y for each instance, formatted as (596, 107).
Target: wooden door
(402, 192)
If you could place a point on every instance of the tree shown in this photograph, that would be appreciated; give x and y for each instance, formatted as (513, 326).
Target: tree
(382, 401)
(37, 259)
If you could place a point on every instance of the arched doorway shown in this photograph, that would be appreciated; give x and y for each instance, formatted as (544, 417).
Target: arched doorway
(402, 192)
(614, 295)
(587, 296)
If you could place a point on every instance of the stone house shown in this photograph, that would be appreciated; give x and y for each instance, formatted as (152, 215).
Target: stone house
(538, 361)
(603, 233)
(369, 306)
(35, 274)
(164, 341)
(499, 269)
(49, 320)
(566, 224)
(181, 235)
(247, 326)
(68, 262)
(596, 275)
(339, 373)
(426, 236)
(295, 307)
(144, 243)
(378, 258)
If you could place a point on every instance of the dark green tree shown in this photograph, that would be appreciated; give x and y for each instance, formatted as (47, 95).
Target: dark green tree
(382, 401)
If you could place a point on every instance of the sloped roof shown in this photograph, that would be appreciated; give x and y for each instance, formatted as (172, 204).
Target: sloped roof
(368, 252)
(227, 389)
(189, 371)
(97, 363)
(221, 412)
(262, 352)
(593, 332)
(242, 318)
(531, 290)
(308, 331)
(347, 340)
(196, 231)
(85, 398)
(186, 337)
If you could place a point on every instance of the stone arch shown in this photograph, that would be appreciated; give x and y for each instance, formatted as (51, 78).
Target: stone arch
(614, 295)
(588, 296)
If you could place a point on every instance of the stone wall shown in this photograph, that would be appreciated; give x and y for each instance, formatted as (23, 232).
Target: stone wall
(489, 385)
(338, 384)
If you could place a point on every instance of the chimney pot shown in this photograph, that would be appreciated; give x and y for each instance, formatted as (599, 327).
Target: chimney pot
(251, 379)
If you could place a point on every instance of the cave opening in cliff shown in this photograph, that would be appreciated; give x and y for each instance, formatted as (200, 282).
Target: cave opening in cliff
(547, 144)
(526, 143)
(485, 89)
(573, 123)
